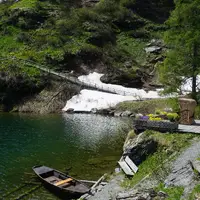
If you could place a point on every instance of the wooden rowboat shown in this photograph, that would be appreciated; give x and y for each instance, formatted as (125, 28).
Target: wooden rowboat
(59, 182)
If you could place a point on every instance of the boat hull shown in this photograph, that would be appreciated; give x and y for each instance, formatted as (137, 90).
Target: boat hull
(75, 192)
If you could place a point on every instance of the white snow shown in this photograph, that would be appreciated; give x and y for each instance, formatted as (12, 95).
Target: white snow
(186, 86)
(94, 79)
(88, 100)
(91, 99)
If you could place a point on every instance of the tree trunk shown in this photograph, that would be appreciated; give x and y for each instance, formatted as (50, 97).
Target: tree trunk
(194, 75)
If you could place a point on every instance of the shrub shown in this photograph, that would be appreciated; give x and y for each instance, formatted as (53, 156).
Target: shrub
(172, 116)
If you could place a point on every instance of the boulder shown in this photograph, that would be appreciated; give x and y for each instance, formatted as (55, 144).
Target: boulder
(119, 77)
(155, 42)
(70, 110)
(126, 113)
(94, 110)
(137, 195)
(139, 147)
(152, 49)
(104, 111)
(138, 115)
(112, 112)
(117, 114)
(187, 108)
(196, 165)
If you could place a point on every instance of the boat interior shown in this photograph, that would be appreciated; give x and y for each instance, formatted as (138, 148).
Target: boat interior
(57, 179)
(63, 182)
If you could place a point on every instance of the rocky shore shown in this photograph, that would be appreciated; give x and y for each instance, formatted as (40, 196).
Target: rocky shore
(180, 173)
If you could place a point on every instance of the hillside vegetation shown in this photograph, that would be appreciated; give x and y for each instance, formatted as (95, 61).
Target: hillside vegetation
(63, 35)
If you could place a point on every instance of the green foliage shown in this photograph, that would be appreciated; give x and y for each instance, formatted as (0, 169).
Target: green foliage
(160, 115)
(174, 193)
(197, 112)
(134, 47)
(195, 193)
(56, 33)
(150, 106)
(183, 36)
(172, 116)
(24, 4)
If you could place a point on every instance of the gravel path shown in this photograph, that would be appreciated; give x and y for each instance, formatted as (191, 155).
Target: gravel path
(182, 173)
(110, 191)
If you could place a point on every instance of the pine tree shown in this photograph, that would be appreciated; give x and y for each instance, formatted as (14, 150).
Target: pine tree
(183, 40)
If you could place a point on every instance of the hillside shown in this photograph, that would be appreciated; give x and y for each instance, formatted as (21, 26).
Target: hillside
(108, 36)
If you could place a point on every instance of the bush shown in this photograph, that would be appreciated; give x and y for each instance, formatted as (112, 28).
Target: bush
(172, 117)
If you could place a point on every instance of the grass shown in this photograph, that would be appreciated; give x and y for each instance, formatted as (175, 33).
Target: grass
(9, 44)
(134, 46)
(174, 193)
(150, 106)
(195, 194)
(167, 145)
(24, 4)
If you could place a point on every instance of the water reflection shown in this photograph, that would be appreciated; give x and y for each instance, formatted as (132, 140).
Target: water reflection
(88, 144)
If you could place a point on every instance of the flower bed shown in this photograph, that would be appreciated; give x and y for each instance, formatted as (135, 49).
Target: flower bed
(162, 125)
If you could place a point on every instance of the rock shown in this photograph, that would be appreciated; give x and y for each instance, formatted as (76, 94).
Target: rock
(187, 108)
(117, 114)
(70, 110)
(104, 111)
(138, 115)
(139, 147)
(100, 187)
(181, 176)
(155, 42)
(123, 78)
(152, 49)
(136, 195)
(117, 170)
(94, 110)
(167, 109)
(162, 194)
(196, 165)
(132, 115)
(89, 3)
(126, 113)
(112, 112)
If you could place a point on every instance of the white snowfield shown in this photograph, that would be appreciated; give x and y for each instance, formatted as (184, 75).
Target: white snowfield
(94, 79)
(89, 100)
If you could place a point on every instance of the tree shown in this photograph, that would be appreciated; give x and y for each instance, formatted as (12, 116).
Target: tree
(183, 40)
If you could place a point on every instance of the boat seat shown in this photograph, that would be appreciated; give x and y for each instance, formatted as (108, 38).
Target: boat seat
(63, 181)
(52, 179)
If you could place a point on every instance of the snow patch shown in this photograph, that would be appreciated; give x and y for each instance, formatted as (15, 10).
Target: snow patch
(91, 99)
(88, 100)
(94, 79)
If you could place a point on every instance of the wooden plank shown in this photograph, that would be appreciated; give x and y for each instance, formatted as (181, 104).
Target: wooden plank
(63, 181)
(131, 164)
(126, 168)
(93, 188)
(92, 182)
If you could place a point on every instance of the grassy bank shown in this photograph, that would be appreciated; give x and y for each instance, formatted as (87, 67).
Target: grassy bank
(149, 106)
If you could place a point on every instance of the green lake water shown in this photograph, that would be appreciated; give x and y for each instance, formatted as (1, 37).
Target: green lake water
(85, 145)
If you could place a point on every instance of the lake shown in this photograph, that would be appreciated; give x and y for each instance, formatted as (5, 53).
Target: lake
(86, 146)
